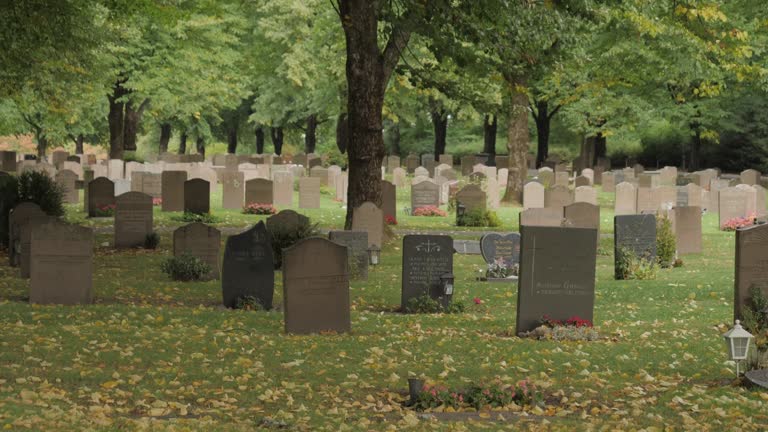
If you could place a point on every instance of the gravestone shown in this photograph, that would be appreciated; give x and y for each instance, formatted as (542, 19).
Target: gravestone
(646, 201)
(586, 194)
(732, 204)
(555, 281)
(411, 163)
(101, 194)
(558, 196)
(609, 184)
(589, 173)
(533, 195)
(62, 264)
(356, 243)
(471, 197)
(320, 173)
(133, 219)
(258, 191)
(547, 216)
(466, 164)
(665, 197)
(561, 178)
(122, 186)
(399, 177)
(248, 269)
(282, 189)
(233, 189)
(342, 184)
(309, 192)
(369, 218)
(582, 215)
(505, 247)
(300, 159)
(626, 199)
(316, 287)
(582, 181)
(115, 169)
(388, 199)
(392, 163)
(172, 185)
(750, 177)
(694, 195)
(688, 229)
(421, 171)
(19, 215)
(66, 179)
(197, 198)
(87, 179)
(751, 265)
(334, 172)
(425, 194)
(200, 241)
(635, 234)
(425, 259)
(446, 159)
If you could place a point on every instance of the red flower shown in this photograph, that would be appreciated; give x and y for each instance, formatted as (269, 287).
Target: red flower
(477, 300)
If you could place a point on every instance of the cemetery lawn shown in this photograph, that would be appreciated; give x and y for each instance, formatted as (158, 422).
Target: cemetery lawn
(159, 355)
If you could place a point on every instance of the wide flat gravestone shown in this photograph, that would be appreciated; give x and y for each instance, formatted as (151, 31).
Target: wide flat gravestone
(173, 190)
(548, 216)
(101, 194)
(471, 197)
(533, 195)
(635, 234)
(197, 197)
(282, 189)
(388, 199)
(646, 200)
(425, 259)
(357, 251)
(688, 229)
(751, 265)
(200, 241)
(582, 181)
(425, 194)
(309, 192)
(62, 264)
(626, 199)
(369, 218)
(558, 196)
(505, 247)
(554, 280)
(258, 191)
(249, 267)
(233, 189)
(133, 219)
(66, 179)
(732, 204)
(316, 287)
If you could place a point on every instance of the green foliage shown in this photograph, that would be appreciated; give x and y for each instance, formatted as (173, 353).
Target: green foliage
(151, 241)
(9, 197)
(39, 188)
(497, 395)
(479, 218)
(666, 247)
(630, 266)
(755, 321)
(185, 268)
(283, 238)
(206, 218)
(424, 304)
(249, 303)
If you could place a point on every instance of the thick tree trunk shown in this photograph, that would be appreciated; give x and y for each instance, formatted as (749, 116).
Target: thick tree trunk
(277, 139)
(601, 147)
(200, 144)
(542, 132)
(183, 143)
(310, 138)
(517, 140)
(79, 144)
(165, 136)
(42, 145)
(232, 138)
(395, 131)
(259, 140)
(131, 126)
(116, 121)
(440, 127)
(489, 136)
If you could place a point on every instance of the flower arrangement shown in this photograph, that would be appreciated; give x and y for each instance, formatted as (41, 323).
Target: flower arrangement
(430, 211)
(390, 220)
(157, 201)
(259, 209)
(497, 395)
(105, 210)
(574, 328)
(574, 321)
(739, 222)
(498, 269)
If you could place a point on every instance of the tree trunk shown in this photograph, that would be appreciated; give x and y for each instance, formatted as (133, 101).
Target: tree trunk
(165, 136)
(342, 132)
(517, 140)
(79, 144)
(601, 147)
(116, 121)
(310, 138)
(440, 127)
(42, 144)
(232, 137)
(542, 132)
(489, 136)
(183, 143)
(131, 126)
(277, 139)
(695, 150)
(395, 130)
(200, 144)
(259, 140)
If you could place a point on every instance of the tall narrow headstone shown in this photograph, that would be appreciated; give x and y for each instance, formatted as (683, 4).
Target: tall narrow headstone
(66, 179)
(249, 269)
(425, 259)
(751, 265)
(101, 194)
(133, 219)
(688, 229)
(388, 199)
(233, 189)
(197, 198)
(369, 218)
(626, 199)
(634, 234)
(533, 195)
(282, 189)
(172, 184)
(309, 192)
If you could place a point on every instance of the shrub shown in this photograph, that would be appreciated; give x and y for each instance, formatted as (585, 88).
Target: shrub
(429, 211)
(427, 305)
(285, 238)
(259, 209)
(479, 218)
(195, 217)
(33, 186)
(249, 303)
(666, 244)
(185, 268)
(631, 266)
(105, 210)
(151, 241)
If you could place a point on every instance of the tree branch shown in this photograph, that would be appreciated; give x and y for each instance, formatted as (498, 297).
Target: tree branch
(398, 40)
(554, 111)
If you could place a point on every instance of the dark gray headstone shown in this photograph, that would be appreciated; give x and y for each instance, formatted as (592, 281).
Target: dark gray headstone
(172, 187)
(504, 246)
(636, 234)
(249, 268)
(357, 245)
(425, 259)
(751, 265)
(555, 280)
(197, 196)
(101, 193)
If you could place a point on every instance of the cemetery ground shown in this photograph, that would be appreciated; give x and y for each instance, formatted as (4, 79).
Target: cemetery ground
(164, 355)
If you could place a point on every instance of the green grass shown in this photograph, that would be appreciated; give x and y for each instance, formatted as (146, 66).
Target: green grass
(154, 354)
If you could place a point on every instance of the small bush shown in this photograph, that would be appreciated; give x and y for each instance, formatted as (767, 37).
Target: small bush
(479, 218)
(429, 211)
(151, 241)
(424, 304)
(33, 186)
(259, 209)
(631, 266)
(194, 217)
(185, 268)
(666, 244)
(285, 238)
(249, 303)
(105, 211)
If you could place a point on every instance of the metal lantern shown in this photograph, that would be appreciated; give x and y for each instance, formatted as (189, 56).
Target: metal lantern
(737, 339)
(461, 209)
(374, 253)
(447, 282)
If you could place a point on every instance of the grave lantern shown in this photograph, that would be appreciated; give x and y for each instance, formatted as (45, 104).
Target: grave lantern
(737, 339)
(446, 280)
(461, 209)
(374, 253)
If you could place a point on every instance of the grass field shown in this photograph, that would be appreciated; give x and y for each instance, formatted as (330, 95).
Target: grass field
(152, 354)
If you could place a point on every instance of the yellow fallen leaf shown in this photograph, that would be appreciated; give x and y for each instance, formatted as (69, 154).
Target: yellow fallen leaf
(109, 384)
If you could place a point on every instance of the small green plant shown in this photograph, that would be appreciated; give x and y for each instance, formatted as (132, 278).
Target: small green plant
(185, 268)
(666, 246)
(631, 266)
(249, 303)
(479, 218)
(195, 217)
(495, 395)
(151, 241)
(755, 321)
(105, 211)
(424, 304)
(283, 238)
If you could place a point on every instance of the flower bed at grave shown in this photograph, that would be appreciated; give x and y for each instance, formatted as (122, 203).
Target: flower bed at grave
(157, 201)
(739, 222)
(429, 211)
(390, 220)
(105, 211)
(259, 209)
(494, 395)
(574, 328)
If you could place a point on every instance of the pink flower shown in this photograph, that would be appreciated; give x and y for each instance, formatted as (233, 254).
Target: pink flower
(477, 300)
